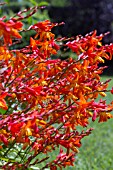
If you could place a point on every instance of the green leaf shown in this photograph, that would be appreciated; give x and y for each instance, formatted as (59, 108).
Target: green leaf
(7, 1)
(2, 111)
(6, 159)
(33, 2)
(43, 4)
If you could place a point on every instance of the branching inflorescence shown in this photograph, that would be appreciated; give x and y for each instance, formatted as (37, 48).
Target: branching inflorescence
(44, 100)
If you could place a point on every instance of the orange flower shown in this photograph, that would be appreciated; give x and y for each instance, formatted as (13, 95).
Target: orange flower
(3, 104)
(9, 30)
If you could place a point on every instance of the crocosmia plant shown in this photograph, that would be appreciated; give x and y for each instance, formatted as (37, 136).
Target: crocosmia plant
(43, 100)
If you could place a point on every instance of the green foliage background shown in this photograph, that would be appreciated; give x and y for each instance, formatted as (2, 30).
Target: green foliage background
(96, 152)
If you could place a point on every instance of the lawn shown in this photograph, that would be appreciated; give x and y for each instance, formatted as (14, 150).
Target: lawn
(96, 152)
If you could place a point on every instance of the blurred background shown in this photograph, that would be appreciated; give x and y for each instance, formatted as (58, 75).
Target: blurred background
(80, 17)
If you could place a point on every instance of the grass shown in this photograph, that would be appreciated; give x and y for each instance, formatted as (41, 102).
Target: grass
(96, 152)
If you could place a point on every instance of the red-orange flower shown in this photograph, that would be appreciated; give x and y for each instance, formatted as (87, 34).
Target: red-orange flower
(10, 29)
(3, 104)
